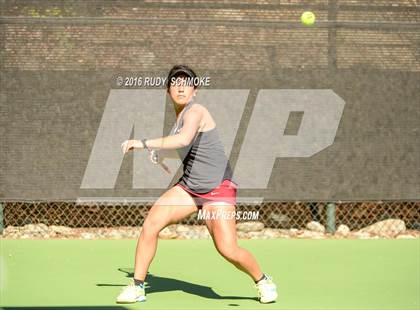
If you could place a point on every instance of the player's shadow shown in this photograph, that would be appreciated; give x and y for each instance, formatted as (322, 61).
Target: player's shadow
(155, 284)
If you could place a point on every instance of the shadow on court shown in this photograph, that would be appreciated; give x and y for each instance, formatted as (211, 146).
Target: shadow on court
(155, 284)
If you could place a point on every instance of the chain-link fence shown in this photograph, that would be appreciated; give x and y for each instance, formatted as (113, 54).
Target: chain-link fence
(284, 215)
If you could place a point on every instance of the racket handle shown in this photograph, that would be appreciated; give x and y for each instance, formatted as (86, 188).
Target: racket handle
(166, 168)
(155, 159)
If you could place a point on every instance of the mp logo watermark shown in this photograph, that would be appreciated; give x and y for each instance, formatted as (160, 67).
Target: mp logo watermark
(143, 110)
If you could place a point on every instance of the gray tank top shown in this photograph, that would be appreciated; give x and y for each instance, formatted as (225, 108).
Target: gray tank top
(204, 159)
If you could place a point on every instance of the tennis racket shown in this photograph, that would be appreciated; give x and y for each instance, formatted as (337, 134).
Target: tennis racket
(153, 156)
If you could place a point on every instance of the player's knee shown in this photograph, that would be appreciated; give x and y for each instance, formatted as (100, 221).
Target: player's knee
(229, 252)
(151, 228)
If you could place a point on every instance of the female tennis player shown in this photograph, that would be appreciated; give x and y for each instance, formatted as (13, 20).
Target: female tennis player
(206, 183)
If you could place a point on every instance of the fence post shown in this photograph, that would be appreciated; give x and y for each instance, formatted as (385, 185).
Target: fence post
(331, 217)
(1, 218)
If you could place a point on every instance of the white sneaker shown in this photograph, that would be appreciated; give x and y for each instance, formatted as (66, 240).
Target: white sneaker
(131, 293)
(267, 290)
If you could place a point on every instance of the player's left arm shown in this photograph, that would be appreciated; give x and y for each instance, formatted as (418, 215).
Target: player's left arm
(192, 121)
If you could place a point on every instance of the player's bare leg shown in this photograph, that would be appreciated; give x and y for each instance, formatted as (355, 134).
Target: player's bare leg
(223, 233)
(173, 206)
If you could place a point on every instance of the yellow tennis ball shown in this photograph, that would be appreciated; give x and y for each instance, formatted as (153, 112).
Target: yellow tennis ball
(307, 18)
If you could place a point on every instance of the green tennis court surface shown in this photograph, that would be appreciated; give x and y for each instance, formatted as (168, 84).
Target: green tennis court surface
(190, 274)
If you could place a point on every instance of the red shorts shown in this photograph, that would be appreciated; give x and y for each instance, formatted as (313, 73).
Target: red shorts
(225, 192)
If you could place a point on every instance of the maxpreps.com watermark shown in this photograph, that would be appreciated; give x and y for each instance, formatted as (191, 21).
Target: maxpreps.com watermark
(158, 81)
(227, 215)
